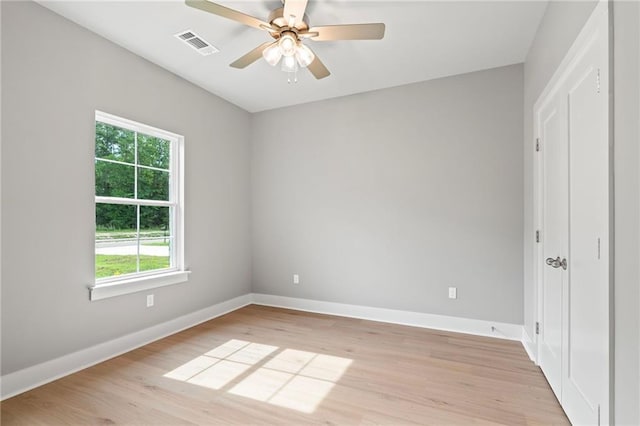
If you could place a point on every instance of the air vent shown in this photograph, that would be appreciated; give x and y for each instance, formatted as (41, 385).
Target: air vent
(196, 42)
(186, 35)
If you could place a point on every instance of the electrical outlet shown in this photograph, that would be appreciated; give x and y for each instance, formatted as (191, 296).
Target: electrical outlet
(453, 293)
(149, 300)
(296, 279)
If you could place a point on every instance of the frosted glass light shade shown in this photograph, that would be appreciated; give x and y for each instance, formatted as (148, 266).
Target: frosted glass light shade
(289, 64)
(272, 54)
(304, 55)
(287, 44)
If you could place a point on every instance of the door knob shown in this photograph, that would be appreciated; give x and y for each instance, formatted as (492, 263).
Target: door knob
(557, 263)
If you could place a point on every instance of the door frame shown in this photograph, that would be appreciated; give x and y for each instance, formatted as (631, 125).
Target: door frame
(554, 84)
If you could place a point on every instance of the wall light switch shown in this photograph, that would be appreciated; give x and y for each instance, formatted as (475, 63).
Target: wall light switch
(453, 293)
(296, 279)
(149, 300)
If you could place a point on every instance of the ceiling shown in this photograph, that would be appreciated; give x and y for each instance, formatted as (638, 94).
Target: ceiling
(424, 40)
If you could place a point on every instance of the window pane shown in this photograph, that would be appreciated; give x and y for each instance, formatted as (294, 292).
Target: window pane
(155, 253)
(155, 238)
(116, 240)
(114, 180)
(153, 184)
(154, 222)
(115, 143)
(153, 152)
(115, 221)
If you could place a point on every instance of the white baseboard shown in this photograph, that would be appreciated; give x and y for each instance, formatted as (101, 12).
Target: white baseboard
(529, 344)
(415, 319)
(37, 375)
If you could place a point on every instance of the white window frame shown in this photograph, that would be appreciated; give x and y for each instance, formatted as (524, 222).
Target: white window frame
(131, 283)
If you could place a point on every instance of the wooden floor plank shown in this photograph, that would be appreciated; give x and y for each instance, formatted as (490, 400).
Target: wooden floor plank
(290, 367)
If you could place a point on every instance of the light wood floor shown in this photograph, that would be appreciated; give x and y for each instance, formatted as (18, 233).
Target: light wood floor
(277, 366)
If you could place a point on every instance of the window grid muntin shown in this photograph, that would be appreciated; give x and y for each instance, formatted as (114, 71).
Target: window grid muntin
(124, 163)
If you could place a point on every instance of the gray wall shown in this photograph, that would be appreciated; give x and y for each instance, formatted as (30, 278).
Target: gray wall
(387, 198)
(626, 18)
(559, 28)
(54, 75)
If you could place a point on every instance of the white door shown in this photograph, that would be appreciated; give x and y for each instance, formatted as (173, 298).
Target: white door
(572, 121)
(586, 343)
(553, 131)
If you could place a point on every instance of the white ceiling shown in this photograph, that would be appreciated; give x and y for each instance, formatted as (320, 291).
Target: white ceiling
(423, 40)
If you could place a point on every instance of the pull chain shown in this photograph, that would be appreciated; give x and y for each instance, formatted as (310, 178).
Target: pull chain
(295, 76)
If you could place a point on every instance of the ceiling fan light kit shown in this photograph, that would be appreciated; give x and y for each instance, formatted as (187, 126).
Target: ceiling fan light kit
(288, 26)
(290, 51)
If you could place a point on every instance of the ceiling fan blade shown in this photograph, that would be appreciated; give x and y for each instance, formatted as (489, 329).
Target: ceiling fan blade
(225, 12)
(294, 11)
(318, 69)
(347, 32)
(252, 56)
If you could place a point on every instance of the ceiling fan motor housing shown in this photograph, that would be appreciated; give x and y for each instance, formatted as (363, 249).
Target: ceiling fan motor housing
(277, 19)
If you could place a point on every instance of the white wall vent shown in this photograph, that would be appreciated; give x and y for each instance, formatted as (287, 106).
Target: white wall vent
(196, 42)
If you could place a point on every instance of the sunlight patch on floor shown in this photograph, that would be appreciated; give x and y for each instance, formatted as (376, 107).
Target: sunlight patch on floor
(227, 349)
(191, 368)
(291, 378)
(218, 375)
(262, 384)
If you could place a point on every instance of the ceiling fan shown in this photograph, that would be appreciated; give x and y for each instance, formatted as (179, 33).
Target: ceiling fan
(289, 26)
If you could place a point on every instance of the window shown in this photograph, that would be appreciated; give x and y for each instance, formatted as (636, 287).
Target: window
(139, 209)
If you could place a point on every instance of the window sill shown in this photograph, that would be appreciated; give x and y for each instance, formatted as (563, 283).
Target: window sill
(134, 285)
